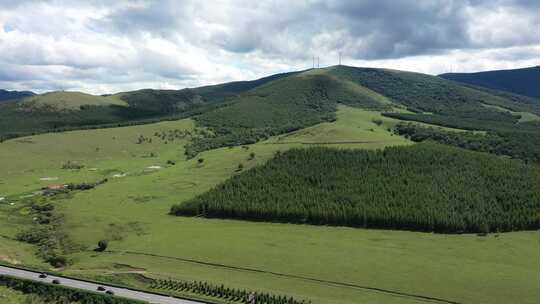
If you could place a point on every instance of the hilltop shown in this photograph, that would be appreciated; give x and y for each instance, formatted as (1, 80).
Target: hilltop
(518, 81)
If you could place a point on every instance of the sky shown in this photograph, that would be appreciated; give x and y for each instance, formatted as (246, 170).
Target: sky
(104, 46)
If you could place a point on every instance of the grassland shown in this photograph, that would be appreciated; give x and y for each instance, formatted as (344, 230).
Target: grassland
(353, 128)
(324, 264)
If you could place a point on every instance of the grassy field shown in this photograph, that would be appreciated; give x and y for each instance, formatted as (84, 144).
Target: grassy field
(324, 264)
(354, 128)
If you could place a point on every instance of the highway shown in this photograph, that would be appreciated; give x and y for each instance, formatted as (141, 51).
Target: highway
(83, 285)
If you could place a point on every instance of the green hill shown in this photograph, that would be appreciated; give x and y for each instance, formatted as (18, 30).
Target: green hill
(11, 95)
(245, 112)
(310, 97)
(64, 101)
(221, 92)
(281, 106)
(519, 81)
(59, 111)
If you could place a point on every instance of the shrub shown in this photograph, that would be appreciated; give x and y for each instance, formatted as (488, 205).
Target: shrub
(377, 121)
(102, 245)
(57, 261)
(72, 166)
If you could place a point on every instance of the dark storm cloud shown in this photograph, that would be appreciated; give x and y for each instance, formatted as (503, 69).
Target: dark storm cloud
(156, 17)
(397, 28)
(133, 43)
(370, 29)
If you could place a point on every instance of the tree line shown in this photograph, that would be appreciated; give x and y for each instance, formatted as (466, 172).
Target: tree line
(523, 145)
(16, 123)
(222, 292)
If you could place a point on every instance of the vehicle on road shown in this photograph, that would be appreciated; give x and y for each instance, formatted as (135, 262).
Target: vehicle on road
(42, 275)
(110, 292)
(56, 281)
(101, 288)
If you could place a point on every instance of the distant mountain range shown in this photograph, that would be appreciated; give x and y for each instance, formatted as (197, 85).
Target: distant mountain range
(519, 81)
(10, 95)
(248, 111)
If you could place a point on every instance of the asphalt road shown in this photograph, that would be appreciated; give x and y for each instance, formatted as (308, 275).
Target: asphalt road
(121, 292)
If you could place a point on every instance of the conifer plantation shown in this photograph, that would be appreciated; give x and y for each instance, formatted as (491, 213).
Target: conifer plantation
(425, 187)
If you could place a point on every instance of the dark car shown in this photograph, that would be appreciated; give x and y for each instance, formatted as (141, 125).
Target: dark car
(56, 281)
(101, 288)
(42, 275)
(110, 292)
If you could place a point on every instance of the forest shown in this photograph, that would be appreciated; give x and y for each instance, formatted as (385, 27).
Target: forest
(425, 187)
(522, 81)
(423, 93)
(515, 144)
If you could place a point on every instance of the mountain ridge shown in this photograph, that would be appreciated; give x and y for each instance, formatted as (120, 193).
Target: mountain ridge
(245, 112)
(6, 95)
(523, 81)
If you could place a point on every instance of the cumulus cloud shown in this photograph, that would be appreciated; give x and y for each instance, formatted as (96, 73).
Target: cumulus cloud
(108, 46)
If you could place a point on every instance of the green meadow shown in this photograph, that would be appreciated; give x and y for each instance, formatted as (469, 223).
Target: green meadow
(322, 264)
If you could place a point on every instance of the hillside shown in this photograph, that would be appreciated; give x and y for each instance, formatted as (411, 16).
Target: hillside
(279, 107)
(244, 112)
(519, 81)
(310, 97)
(65, 101)
(60, 111)
(222, 92)
(11, 95)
